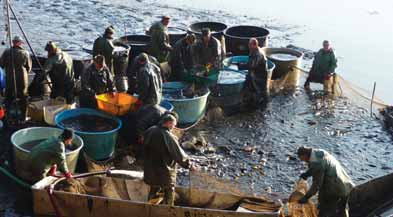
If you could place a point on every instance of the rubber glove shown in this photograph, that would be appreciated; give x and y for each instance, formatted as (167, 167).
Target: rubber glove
(303, 200)
(68, 175)
(53, 170)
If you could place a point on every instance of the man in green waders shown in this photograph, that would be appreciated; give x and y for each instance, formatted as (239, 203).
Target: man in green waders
(59, 66)
(162, 153)
(329, 179)
(103, 45)
(159, 45)
(49, 155)
(21, 64)
(323, 67)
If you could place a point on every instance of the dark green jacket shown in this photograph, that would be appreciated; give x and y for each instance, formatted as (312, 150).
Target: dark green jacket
(149, 84)
(159, 45)
(257, 65)
(22, 64)
(324, 62)
(329, 177)
(162, 153)
(202, 55)
(180, 58)
(61, 73)
(104, 46)
(97, 82)
(46, 154)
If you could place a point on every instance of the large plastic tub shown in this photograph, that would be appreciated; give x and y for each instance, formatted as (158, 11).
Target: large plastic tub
(174, 87)
(237, 38)
(190, 110)
(175, 34)
(217, 29)
(230, 88)
(118, 105)
(22, 157)
(287, 69)
(98, 145)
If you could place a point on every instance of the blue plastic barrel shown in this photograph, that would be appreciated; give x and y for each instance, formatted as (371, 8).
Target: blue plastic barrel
(2, 79)
(97, 145)
(190, 110)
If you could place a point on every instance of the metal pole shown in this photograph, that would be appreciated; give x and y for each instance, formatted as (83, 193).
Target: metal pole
(372, 100)
(28, 43)
(11, 51)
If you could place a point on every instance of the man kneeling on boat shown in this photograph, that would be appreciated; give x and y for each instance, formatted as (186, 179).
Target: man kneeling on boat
(50, 154)
(329, 179)
(162, 153)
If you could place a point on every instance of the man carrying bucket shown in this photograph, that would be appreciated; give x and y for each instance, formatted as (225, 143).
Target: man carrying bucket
(49, 155)
(256, 89)
(97, 79)
(323, 67)
(162, 153)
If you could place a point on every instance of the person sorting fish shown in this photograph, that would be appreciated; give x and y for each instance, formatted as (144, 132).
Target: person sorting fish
(180, 58)
(162, 153)
(49, 155)
(103, 45)
(323, 68)
(149, 81)
(16, 62)
(160, 46)
(329, 180)
(256, 89)
(96, 80)
(207, 50)
(59, 66)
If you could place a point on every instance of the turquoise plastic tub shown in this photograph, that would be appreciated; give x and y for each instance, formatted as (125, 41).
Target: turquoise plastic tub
(241, 61)
(190, 110)
(97, 145)
(174, 87)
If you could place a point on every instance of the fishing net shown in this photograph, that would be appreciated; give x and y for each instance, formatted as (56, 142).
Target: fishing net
(301, 210)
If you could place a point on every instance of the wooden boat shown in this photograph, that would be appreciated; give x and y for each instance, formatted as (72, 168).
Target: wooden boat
(124, 194)
(373, 198)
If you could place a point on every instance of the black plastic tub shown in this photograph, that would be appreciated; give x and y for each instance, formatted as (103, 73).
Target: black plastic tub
(138, 44)
(216, 28)
(175, 34)
(237, 38)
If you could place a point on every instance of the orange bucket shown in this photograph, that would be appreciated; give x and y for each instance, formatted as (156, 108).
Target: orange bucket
(117, 104)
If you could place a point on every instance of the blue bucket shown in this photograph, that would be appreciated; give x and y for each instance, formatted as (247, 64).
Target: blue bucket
(167, 105)
(97, 145)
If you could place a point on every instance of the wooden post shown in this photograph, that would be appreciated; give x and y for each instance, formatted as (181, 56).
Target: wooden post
(372, 100)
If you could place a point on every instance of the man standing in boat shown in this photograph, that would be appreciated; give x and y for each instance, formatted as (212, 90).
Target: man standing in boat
(104, 46)
(256, 90)
(149, 82)
(180, 58)
(97, 79)
(323, 68)
(160, 46)
(16, 60)
(49, 155)
(59, 66)
(329, 180)
(207, 51)
(162, 153)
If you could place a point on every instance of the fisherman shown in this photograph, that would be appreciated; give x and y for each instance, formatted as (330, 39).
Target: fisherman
(50, 154)
(180, 58)
(149, 81)
(162, 153)
(59, 66)
(329, 179)
(256, 91)
(21, 65)
(103, 45)
(207, 51)
(96, 80)
(323, 67)
(160, 45)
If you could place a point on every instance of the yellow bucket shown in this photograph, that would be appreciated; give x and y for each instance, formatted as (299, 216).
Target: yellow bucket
(117, 104)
